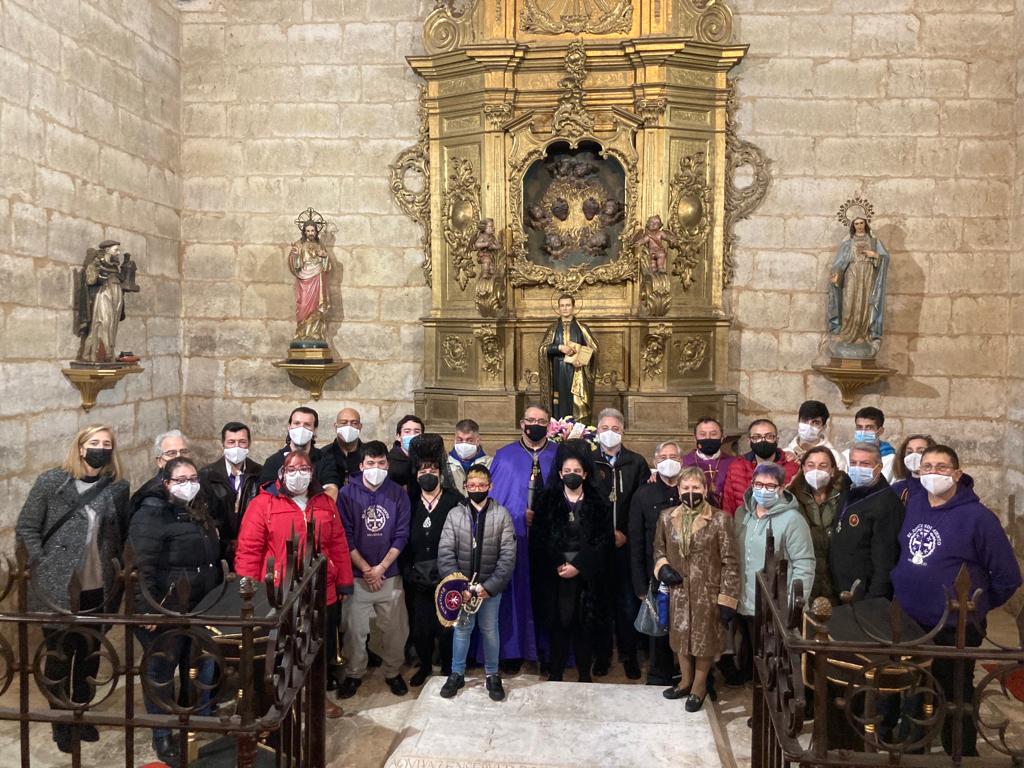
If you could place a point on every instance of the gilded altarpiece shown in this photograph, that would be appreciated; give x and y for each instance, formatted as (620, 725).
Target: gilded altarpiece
(567, 125)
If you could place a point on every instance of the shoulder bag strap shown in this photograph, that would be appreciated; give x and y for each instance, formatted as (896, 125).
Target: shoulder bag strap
(82, 501)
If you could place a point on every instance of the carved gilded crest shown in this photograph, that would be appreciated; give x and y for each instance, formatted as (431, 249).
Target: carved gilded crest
(492, 354)
(689, 218)
(460, 215)
(455, 353)
(593, 17)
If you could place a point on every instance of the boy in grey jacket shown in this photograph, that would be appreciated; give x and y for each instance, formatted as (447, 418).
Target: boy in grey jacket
(478, 539)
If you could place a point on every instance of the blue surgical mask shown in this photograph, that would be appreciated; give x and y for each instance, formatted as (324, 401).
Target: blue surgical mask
(406, 441)
(766, 498)
(861, 476)
(865, 436)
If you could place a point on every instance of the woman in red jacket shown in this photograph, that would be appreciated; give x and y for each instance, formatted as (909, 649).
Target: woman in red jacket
(284, 508)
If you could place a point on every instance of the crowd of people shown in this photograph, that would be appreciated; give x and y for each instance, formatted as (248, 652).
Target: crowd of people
(563, 542)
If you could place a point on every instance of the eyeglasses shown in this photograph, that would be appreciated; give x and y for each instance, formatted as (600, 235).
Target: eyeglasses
(767, 486)
(941, 469)
(770, 437)
(173, 454)
(292, 471)
(477, 487)
(183, 480)
(535, 421)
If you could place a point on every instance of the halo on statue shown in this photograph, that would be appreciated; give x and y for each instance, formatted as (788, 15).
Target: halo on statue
(310, 216)
(855, 208)
(556, 295)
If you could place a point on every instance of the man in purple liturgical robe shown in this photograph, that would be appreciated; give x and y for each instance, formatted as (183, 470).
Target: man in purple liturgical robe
(709, 458)
(517, 470)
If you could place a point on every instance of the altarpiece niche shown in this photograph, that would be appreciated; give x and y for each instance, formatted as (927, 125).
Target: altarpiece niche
(584, 155)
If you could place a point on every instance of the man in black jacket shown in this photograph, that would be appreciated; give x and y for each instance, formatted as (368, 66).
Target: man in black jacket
(400, 469)
(864, 544)
(644, 510)
(301, 436)
(619, 473)
(343, 453)
(233, 479)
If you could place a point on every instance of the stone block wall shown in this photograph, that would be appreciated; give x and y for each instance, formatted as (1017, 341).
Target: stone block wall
(911, 104)
(89, 150)
(288, 105)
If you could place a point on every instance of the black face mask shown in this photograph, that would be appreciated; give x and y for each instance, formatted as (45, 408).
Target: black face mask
(572, 482)
(691, 499)
(709, 446)
(535, 432)
(478, 497)
(97, 458)
(764, 449)
(428, 482)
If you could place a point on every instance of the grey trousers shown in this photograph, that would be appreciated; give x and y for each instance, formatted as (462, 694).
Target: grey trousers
(388, 607)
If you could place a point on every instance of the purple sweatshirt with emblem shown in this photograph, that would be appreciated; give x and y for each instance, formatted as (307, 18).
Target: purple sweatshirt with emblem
(374, 521)
(936, 541)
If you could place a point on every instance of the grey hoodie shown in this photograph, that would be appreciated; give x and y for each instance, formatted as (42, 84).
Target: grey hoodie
(792, 542)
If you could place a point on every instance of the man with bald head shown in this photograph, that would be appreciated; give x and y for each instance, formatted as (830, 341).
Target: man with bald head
(343, 453)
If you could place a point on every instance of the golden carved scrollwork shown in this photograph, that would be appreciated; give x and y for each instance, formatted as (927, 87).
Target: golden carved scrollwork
(460, 215)
(713, 20)
(415, 203)
(692, 352)
(491, 295)
(652, 358)
(498, 114)
(689, 218)
(455, 353)
(740, 202)
(593, 17)
(650, 109)
(572, 119)
(492, 354)
(449, 26)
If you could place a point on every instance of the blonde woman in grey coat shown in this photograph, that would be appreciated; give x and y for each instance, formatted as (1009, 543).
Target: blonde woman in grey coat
(74, 520)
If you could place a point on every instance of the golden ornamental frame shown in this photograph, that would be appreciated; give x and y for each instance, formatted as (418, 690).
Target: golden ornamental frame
(528, 148)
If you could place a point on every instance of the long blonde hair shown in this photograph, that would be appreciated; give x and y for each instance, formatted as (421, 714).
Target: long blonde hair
(75, 465)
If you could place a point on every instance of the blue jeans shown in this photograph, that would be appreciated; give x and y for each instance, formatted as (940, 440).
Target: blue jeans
(487, 616)
(160, 670)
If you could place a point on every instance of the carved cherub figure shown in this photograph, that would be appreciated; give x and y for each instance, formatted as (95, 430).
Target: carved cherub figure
(486, 246)
(657, 240)
(596, 245)
(553, 246)
(612, 212)
(537, 218)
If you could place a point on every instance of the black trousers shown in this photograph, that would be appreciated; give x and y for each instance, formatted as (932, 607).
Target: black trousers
(623, 612)
(568, 630)
(944, 672)
(72, 658)
(662, 665)
(425, 631)
(331, 638)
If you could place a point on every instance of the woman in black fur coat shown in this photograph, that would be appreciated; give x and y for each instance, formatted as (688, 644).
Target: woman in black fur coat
(571, 548)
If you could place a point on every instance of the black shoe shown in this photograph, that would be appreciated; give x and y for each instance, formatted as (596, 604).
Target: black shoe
(632, 669)
(494, 688)
(89, 733)
(372, 659)
(62, 737)
(694, 703)
(601, 668)
(420, 677)
(511, 666)
(347, 688)
(397, 685)
(676, 693)
(750, 722)
(166, 748)
(452, 685)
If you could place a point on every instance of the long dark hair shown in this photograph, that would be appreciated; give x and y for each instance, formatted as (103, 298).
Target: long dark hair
(198, 507)
(853, 229)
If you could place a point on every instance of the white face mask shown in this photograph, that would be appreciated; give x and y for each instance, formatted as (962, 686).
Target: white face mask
(669, 468)
(185, 491)
(808, 432)
(937, 485)
(297, 482)
(236, 455)
(609, 439)
(375, 476)
(912, 461)
(465, 451)
(348, 434)
(300, 436)
(817, 478)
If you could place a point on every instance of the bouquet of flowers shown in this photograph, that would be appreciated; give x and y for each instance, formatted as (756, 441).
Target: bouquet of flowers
(567, 428)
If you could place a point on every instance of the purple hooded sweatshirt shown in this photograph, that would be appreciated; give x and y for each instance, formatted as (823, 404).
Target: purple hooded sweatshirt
(374, 521)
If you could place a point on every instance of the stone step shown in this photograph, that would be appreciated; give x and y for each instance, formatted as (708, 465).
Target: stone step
(554, 725)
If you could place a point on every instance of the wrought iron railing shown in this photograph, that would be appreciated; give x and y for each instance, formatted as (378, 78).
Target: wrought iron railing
(873, 699)
(256, 659)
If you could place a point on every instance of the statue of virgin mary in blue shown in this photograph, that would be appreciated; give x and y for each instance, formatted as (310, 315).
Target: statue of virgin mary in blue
(856, 293)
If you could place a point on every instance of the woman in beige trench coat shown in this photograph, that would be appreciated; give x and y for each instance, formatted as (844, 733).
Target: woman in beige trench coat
(695, 555)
